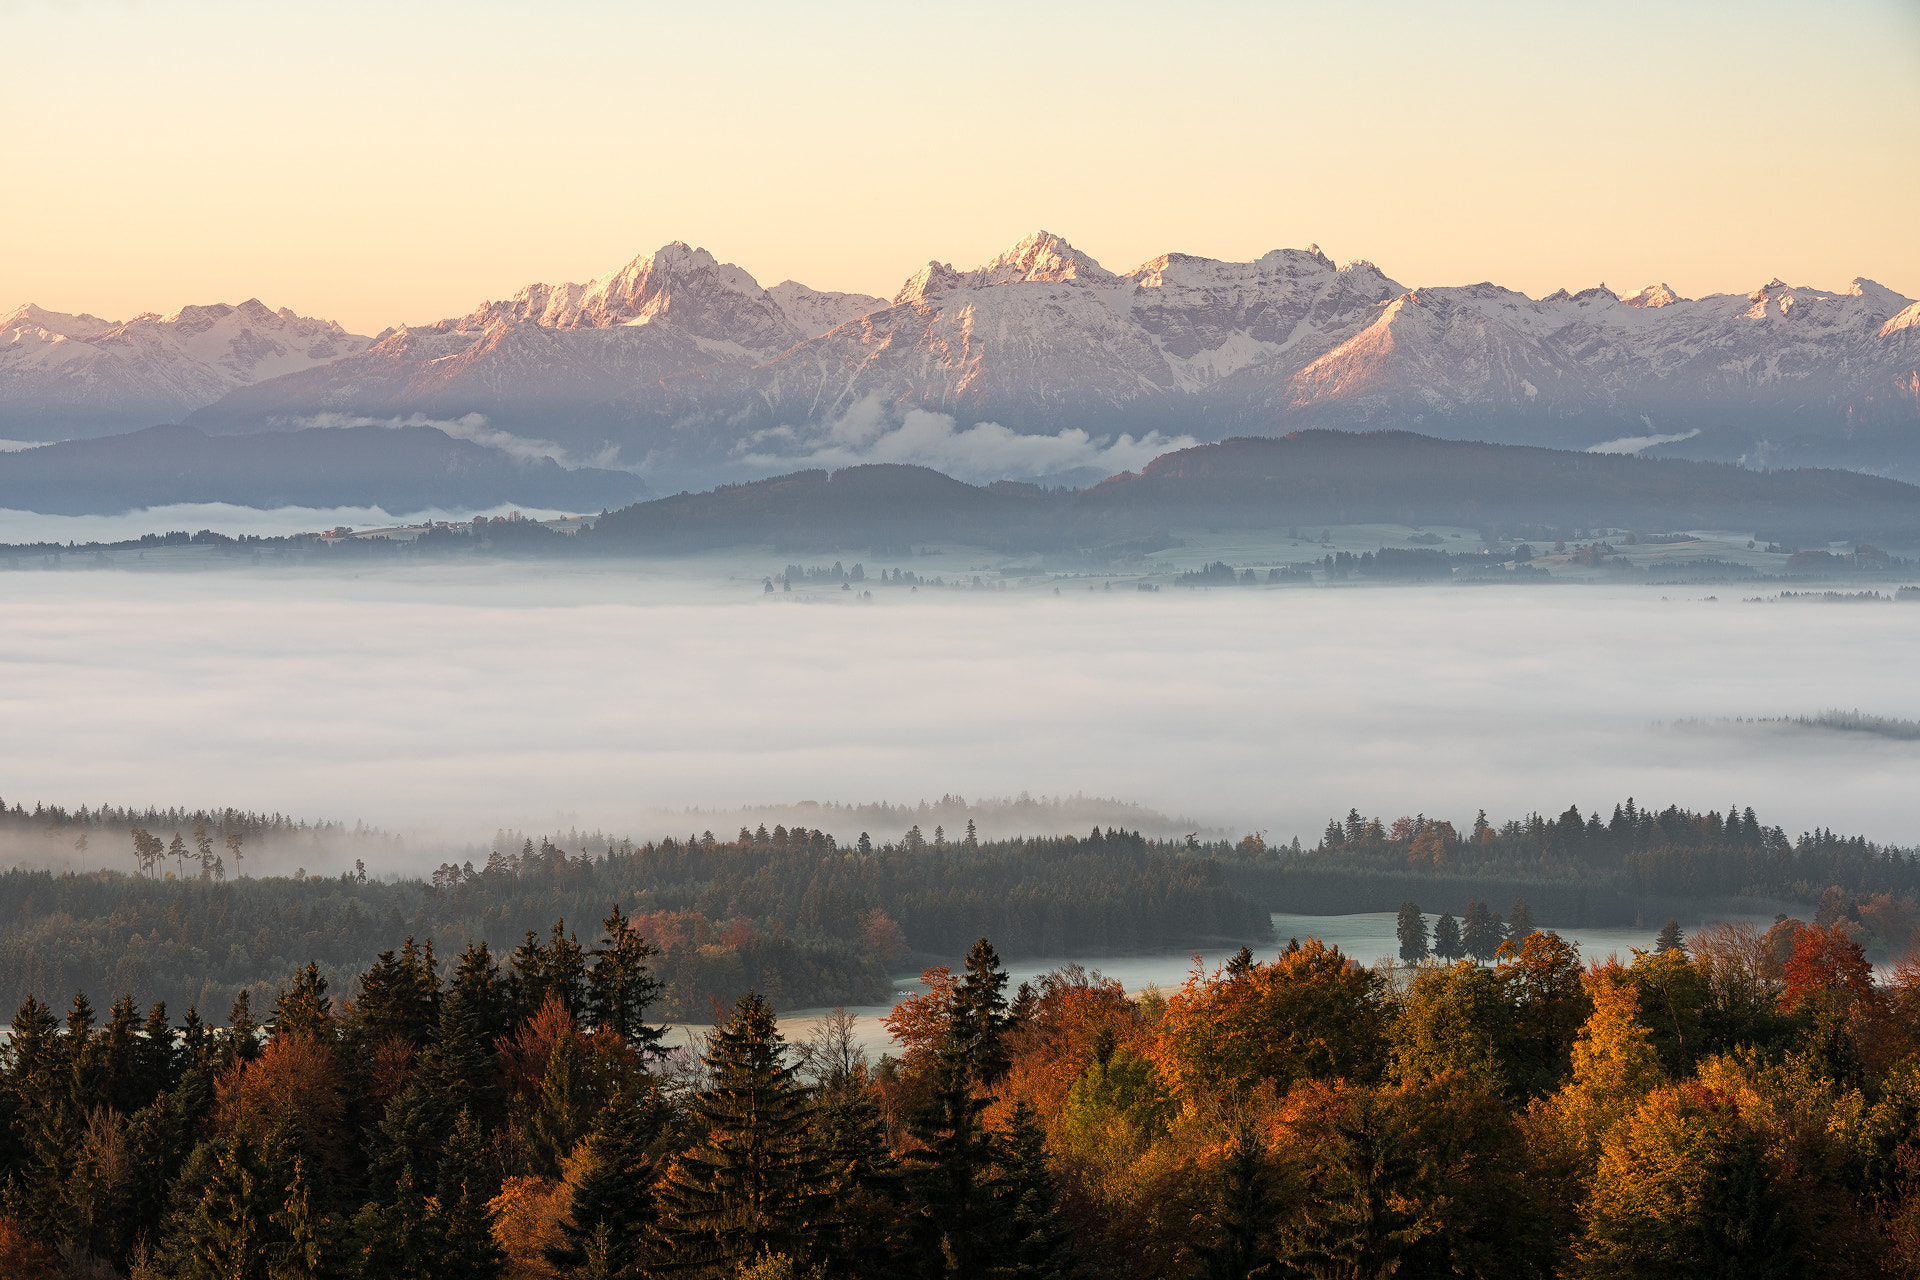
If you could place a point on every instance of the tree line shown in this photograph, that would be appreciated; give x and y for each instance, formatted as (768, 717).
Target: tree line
(1591, 868)
(1729, 1104)
(794, 914)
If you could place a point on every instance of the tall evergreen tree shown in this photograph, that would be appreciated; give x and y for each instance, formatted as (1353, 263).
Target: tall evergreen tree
(477, 977)
(526, 981)
(561, 1117)
(1446, 939)
(613, 1209)
(1670, 939)
(1520, 924)
(621, 984)
(1357, 1225)
(979, 1014)
(1038, 1242)
(468, 1250)
(865, 1190)
(1243, 1219)
(1411, 929)
(753, 1186)
(956, 1224)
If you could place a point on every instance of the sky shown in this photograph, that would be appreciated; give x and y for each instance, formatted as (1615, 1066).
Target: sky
(391, 162)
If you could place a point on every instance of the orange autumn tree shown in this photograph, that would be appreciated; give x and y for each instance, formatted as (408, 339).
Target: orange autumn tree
(295, 1081)
(1311, 1013)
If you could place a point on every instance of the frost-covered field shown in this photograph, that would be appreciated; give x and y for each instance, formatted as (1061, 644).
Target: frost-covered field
(462, 699)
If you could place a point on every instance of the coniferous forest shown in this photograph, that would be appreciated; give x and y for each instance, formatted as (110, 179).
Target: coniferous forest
(468, 1075)
(1707, 1109)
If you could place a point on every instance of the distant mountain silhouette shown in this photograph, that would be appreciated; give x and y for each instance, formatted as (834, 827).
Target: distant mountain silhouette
(1309, 478)
(400, 470)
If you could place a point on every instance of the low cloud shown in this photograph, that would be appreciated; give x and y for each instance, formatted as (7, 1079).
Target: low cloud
(1634, 444)
(462, 698)
(475, 427)
(983, 451)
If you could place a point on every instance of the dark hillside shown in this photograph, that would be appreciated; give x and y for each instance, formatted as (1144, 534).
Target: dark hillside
(401, 470)
(1308, 478)
(883, 504)
(1335, 477)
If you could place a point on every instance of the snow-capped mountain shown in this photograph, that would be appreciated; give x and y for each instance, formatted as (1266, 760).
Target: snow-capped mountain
(683, 364)
(66, 374)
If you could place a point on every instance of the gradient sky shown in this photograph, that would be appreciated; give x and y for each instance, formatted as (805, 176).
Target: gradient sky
(400, 161)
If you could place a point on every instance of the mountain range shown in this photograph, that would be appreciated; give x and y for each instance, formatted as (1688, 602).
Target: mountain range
(1041, 363)
(78, 375)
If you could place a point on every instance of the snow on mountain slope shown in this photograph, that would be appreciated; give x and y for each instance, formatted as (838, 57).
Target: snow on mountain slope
(64, 374)
(679, 359)
(814, 312)
(1470, 354)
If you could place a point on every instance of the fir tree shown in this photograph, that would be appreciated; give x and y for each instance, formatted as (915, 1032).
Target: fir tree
(865, 1190)
(753, 1185)
(560, 1118)
(1412, 932)
(467, 1250)
(1039, 1243)
(477, 979)
(622, 985)
(956, 1227)
(613, 1208)
(979, 1014)
(526, 981)
(1242, 1248)
(1446, 939)
(1357, 1224)
(1670, 939)
(1520, 924)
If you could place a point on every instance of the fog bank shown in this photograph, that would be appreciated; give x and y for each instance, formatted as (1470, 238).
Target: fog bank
(448, 703)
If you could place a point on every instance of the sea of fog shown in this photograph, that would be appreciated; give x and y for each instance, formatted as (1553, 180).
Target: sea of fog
(449, 702)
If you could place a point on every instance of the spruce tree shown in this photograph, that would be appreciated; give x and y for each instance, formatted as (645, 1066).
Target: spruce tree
(1670, 939)
(1357, 1225)
(1039, 1243)
(561, 1117)
(956, 1225)
(753, 1186)
(1243, 1219)
(1520, 924)
(1411, 929)
(865, 1190)
(621, 984)
(979, 1014)
(467, 1250)
(477, 978)
(613, 1209)
(526, 981)
(1446, 939)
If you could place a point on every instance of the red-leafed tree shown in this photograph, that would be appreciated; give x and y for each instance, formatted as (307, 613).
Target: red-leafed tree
(1826, 964)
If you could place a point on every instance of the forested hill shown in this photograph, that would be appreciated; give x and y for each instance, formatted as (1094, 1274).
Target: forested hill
(1636, 864)
(412, 468)
(879, 505)
(804, 920)
(1334, 477)
(1308, 478)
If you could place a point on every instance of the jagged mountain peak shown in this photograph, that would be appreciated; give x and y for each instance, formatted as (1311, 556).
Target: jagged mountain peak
(1653, 297)
(706, 300)
(1044, 256)
(929, 281)
(59, 324)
